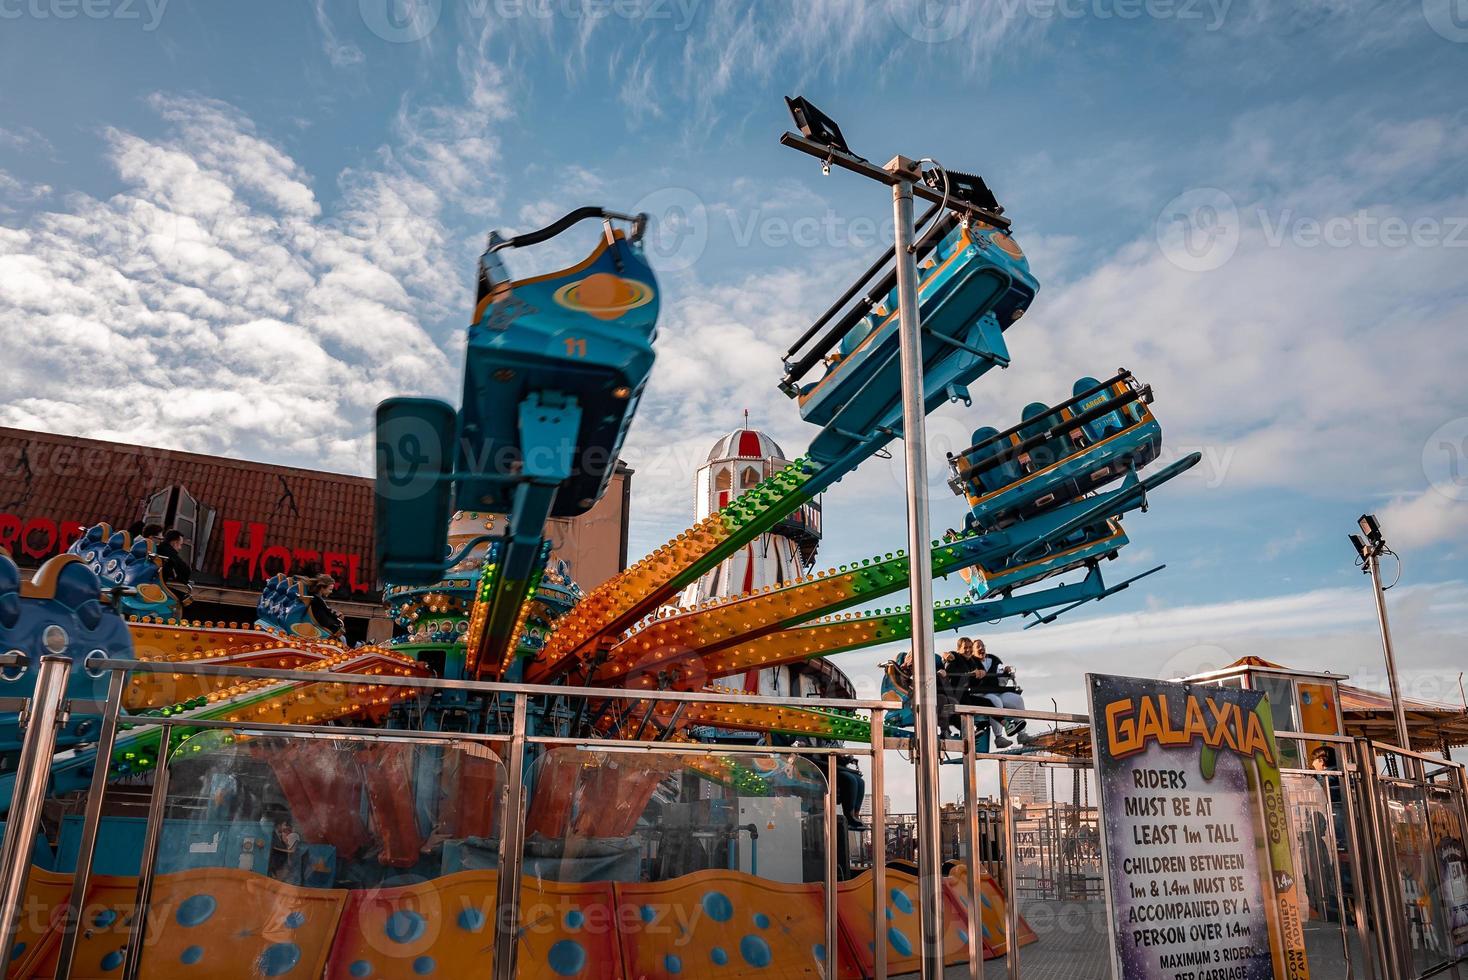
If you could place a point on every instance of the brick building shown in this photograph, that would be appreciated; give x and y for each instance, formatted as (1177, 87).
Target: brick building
(242, 521)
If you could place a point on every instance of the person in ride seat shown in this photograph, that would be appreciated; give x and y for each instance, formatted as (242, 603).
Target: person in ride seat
(991, 682)
(946, 701)
(175, 569)
(326, 617)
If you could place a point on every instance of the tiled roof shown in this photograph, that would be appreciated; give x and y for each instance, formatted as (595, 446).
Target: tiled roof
(71, 480)
(66, 481)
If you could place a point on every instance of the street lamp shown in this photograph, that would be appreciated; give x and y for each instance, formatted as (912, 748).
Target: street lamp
(1370, 545)
(821, 138)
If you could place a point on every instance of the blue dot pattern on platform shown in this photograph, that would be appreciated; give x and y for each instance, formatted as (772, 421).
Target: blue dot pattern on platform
(361, 968)
(756, 951)
(574, 919)
(191, 955)
(471, 920)
(279, 959)
(718, 955)
(404, 926)
(718, 906)
(16, 951)
(963, 936)
(195, 910)
(295, 920)
(761, 920)
(104, 918)
(567, 958)
(112, 961)
(819, 951)
(424, 965)
(901, 901)
(673, 964)
(647, 913)
(899, 942)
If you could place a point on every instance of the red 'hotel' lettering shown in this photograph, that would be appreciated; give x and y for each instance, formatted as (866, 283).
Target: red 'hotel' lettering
(262, 561)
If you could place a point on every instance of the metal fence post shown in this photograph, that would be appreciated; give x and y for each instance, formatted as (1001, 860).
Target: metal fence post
(157, 804)
(1011, 877)
(33, 771)
(832, 937)
(1385, 878)
(975, 872)
(512, 848)
(82, 877)
(879, 843)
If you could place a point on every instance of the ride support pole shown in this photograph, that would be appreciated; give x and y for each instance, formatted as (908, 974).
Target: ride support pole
(924, 673)
(32, 773)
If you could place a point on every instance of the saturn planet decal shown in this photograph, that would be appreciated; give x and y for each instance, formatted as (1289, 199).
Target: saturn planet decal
(604, 295)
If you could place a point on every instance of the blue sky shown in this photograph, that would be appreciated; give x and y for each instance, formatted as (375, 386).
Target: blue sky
(261, 219)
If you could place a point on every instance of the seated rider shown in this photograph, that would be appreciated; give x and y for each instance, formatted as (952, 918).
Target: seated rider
(946, 698)
(850, 783)
(326, 617)
(992, 683)
(175, 570)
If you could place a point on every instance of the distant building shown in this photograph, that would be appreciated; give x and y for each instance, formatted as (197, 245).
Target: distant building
(738, 461)
(242, 521)
(1029, 784)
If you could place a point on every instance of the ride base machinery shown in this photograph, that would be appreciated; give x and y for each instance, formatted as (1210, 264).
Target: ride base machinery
(381, 855)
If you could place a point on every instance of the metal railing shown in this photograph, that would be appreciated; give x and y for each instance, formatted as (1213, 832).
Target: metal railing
(1370, 911)
(30, 788)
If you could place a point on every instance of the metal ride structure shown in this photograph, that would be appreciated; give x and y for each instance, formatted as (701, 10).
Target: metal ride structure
(500, 649)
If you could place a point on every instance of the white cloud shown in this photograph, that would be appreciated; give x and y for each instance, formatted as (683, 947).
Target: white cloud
(16, 192)
(230, 314)
(341, 54)
(1425, 519)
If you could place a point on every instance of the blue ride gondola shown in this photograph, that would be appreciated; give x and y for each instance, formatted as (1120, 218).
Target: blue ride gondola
(555, 367)
(1081, 532)
(1056, 454)
(62, 610)
(132, 571)
(974, 283)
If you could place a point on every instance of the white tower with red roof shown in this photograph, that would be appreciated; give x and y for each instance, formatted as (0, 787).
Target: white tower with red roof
(738, 461)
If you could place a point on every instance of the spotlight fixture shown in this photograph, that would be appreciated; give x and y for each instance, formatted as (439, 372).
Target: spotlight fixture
(1371, 528)
(815, 124)
(970, 189)
(1363, 550)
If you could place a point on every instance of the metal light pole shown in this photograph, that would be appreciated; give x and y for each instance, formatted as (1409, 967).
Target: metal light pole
(924, 672)
(1370, 549)
(821, 138)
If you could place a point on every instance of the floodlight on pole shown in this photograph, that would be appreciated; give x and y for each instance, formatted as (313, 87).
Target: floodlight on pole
(1369, 550)
(822, 138)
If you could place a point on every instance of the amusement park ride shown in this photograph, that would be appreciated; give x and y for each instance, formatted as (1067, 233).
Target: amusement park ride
(555, 367)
